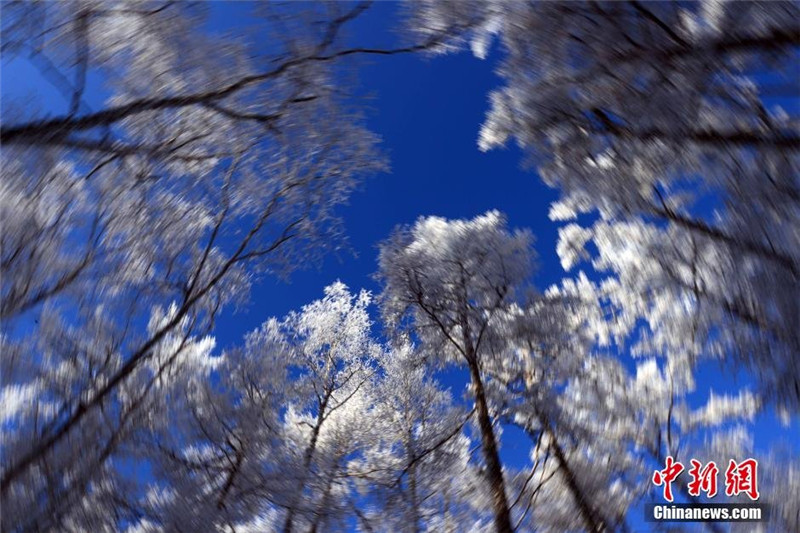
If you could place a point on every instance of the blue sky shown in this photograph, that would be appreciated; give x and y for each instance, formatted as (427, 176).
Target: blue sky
(428, 111)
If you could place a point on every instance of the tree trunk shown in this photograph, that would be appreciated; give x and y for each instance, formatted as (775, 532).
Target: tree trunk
(412, 487)
(309, 454)
(323, 506)
(594, 523)
(494, 470)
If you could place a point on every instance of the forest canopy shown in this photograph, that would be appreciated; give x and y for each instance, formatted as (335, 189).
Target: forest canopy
(170, 164)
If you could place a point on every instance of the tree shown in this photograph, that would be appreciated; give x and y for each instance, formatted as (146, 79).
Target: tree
(337, 359)
(668, 120)
(460, 287)
(418, 464)
(214, 448)
(576, 478)
(316, 423)
(457, 279)
(272, 442)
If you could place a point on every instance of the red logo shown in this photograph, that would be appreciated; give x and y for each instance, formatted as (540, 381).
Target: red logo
(667, 476)
(703, 479)
(740, 478)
